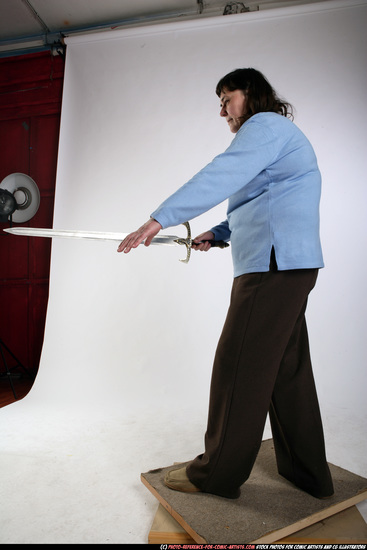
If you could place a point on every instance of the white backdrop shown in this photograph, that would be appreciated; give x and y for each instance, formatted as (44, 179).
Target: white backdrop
(129, 341)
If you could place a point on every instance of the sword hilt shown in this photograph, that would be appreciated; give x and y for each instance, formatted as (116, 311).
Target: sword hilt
(188, 242)
(214, 244)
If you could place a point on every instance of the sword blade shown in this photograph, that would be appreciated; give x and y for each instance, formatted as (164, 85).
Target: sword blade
(169, 240)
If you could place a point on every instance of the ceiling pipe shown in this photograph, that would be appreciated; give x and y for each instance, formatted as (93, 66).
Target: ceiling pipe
(54, 40)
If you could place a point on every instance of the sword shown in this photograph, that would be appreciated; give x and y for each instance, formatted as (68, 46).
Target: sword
(170, 240)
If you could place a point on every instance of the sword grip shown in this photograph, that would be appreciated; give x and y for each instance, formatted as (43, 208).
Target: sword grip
(217, 244)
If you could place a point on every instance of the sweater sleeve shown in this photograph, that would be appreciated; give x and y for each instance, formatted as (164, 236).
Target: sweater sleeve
(222, 231)
(251, 151)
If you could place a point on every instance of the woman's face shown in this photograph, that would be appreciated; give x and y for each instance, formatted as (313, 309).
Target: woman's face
(233, 107)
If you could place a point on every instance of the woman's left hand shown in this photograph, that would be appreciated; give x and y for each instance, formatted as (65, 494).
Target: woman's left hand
(204, 245)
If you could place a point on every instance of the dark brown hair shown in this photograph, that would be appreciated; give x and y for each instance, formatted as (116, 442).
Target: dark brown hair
(261, 96)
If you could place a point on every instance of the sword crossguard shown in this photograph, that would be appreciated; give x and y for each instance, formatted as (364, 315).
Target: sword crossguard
(187, 242)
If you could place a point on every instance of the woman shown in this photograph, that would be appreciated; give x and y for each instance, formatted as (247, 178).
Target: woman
(269, 175)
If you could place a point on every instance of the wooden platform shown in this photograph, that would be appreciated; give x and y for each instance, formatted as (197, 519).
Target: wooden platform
(345, 527)
(268, 510)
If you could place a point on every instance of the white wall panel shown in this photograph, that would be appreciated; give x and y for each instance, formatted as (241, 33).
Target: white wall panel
(140, 117)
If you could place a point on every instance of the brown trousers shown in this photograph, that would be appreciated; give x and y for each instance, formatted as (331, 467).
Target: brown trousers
(262, 365)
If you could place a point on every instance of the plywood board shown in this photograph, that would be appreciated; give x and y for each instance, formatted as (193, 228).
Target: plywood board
(269, 508)
(345, 527)
(166, 530)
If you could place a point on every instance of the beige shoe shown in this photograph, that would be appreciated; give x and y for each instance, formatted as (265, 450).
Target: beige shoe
(178, 481)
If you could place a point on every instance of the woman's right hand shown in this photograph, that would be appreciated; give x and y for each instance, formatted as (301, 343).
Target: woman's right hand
(146, 232)
(203, 246)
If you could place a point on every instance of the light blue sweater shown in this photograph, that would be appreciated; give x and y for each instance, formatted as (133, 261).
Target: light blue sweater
(269, 175)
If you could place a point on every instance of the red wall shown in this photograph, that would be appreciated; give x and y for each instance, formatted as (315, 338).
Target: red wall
(30, 107)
